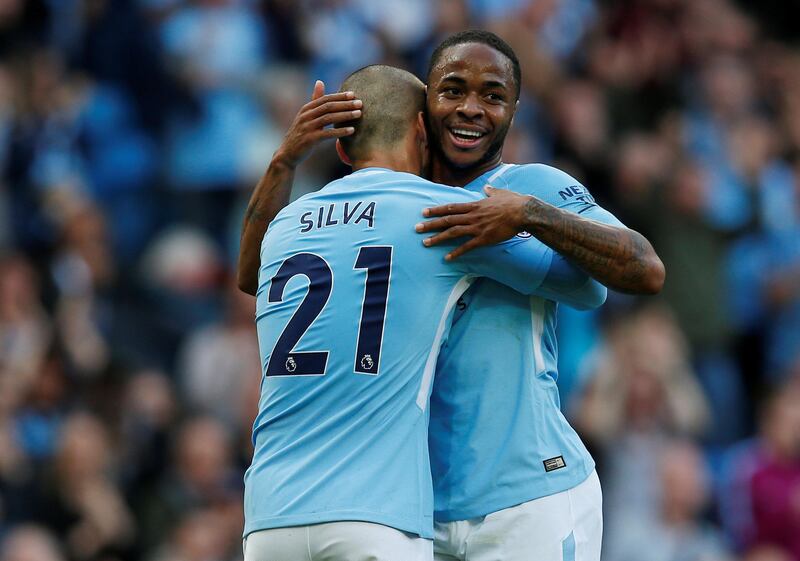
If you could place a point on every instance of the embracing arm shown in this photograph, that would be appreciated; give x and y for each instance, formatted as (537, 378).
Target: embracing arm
(567, 284)
(530, 267)
(272, 191)
(618, 257)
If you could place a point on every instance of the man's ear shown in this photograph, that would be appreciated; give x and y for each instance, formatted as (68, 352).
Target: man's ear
(342, 154)
(516, 106)
(422, 130)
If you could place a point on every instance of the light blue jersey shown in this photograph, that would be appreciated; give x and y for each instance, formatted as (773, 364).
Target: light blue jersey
(351, 312)
(497, 434)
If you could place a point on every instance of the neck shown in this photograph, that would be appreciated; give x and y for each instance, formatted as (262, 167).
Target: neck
(393, 160)
(450, 175)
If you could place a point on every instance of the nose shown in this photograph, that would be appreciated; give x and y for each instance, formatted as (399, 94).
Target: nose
(470, 106)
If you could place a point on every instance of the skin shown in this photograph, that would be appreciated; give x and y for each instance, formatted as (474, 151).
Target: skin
(470, 88)
(308, 129)
(272, 191)
(412, 158)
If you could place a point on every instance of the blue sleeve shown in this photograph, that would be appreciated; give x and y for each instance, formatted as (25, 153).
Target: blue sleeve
(521, 263)
(569, 285)
(557, 188)
(565, 282)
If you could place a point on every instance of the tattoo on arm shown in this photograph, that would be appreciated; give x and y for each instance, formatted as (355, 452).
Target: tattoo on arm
(620, 258)
(253, 214)
(270, 196)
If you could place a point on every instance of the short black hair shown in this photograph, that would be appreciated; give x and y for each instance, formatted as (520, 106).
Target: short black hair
(485, 38)
(391, 99)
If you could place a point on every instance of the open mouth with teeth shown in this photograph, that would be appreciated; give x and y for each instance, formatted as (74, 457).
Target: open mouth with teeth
(465, 138)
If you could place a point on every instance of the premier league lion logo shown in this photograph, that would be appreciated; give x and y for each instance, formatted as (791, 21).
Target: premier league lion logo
(367, 363)
(291, 365)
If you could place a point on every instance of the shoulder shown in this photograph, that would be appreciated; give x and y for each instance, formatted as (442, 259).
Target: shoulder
(448, 194)
(295, 206)
(437, 193)
(550, 184)
(543, 172)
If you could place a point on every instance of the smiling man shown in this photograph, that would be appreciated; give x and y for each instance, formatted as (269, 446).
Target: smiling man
(471, 135)
(512, 479)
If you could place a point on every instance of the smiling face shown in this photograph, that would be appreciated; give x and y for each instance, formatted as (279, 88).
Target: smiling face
(471, 101)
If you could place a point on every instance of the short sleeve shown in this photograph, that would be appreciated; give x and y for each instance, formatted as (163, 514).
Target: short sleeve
(522, 263)
(557, 188)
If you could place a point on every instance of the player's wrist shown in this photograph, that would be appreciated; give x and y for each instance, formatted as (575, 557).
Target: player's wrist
(526, 213)
(537, 213)
(283, 159)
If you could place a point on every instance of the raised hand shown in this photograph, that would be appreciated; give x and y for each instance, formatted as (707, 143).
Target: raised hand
(309, 126)
(272, 191)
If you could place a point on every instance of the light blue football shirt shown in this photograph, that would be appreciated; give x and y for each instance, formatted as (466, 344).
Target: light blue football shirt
(351, 312)
(497, 434)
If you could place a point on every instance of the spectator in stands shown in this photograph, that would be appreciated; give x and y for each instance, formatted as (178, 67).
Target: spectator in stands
(81, 500)
(25, 331)
(642, 393)
(775, 482)
(219, 362)
(202, 476)
(676, 530)
(30, 543)
(123, 120)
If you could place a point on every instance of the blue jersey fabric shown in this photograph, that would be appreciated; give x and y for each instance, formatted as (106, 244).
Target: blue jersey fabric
(351, 312)
(497, 434)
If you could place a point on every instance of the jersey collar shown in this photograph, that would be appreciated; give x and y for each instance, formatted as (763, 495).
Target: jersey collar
(488, 177)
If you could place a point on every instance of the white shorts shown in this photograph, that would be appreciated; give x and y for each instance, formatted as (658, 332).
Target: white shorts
(567, 526)
(336, 541)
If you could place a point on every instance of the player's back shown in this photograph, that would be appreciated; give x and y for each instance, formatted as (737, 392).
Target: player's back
(351, 311)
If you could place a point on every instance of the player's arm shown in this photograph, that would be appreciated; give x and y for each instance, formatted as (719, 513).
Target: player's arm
(618, 257)
(530, 267)
(521, 264)
(272, 191)
(568, 284)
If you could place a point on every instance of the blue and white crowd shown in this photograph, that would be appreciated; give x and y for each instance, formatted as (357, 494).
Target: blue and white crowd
(131, 135)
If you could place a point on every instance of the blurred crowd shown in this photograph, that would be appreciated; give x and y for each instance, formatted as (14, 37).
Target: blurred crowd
(131, 134)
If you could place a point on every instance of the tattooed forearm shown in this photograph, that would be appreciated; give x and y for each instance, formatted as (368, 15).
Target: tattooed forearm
(269, 197)
(253, 214)
(620, 258)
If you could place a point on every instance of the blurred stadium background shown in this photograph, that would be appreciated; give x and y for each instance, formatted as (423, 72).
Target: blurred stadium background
(131, 134)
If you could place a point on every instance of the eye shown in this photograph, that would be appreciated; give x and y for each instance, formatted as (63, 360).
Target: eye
(495, 98)
(451, 91)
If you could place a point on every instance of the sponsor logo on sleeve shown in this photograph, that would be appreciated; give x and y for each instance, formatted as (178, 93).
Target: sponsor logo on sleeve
(577, 193)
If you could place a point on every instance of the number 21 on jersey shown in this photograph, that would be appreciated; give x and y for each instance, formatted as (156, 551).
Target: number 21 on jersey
(284, 360)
